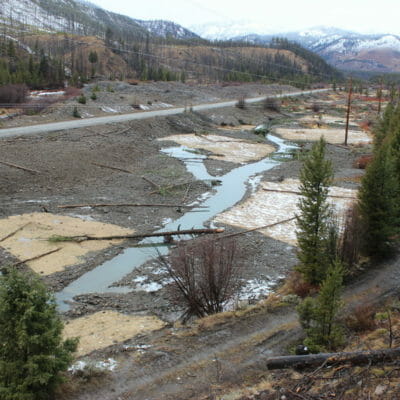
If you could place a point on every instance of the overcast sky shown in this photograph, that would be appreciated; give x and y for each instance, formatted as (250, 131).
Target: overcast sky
(366, 16)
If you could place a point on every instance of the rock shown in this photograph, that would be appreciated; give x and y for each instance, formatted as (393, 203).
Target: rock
(380, 390)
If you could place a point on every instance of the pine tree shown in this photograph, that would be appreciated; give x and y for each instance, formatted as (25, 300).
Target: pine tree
(378, 203)
(319, 316)
(32, 352)
(313, 220)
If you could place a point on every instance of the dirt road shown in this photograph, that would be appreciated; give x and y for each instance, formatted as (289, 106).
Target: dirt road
(84, 123)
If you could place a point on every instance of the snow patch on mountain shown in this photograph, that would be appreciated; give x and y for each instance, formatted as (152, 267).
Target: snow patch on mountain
(29, 13)
(167, 28)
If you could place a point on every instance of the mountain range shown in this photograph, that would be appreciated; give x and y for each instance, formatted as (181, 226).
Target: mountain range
(343, 49)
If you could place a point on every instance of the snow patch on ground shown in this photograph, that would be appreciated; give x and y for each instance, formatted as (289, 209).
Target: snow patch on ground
(107, 365)
(108, 109)
(278, 203)
(224, 148)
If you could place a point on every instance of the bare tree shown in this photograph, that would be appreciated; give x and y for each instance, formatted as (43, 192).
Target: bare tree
(206, 274)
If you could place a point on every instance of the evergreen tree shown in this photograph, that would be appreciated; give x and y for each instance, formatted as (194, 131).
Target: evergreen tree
(378, 203)
(313, 220)
(319, 316)
(32, 352)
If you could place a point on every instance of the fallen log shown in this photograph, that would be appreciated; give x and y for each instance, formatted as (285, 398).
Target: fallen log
(32, 171)
(125, 205)
(353, 358)
(258, 228)
(37, 257)
(14, 232)
(83, 238)
(151, 183)
(299, 193)
(113, 168)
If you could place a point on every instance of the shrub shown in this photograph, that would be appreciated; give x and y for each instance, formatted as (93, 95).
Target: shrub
(363, 161)
(72, 91)
(298, 286)
(362, 319)
(32, 351)
(241, 103)
(75, 113)
(316, 107)
(82, 99)
(271, 104)
(13, 94)
(93, 96)
(206, 275)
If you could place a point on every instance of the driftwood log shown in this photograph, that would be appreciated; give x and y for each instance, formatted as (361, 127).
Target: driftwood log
(83, 238)
(125, 205)
(353, 358)
(32, 171)
(113, 168)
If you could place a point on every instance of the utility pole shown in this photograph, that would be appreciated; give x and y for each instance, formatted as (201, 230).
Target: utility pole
(348, 110)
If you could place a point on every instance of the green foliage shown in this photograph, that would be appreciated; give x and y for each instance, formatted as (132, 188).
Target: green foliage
(93, 57)
(379, 204)
(93, 96)
(82, 99)
(318, 316)
(314, 218)
(75, 113)
(32, 352)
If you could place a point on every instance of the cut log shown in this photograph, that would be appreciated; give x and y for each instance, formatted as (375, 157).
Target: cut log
(113, 168)
(151, 183)
(14, 232)
(37, 257)
(32, 171)
(83, 238)
(125, 205)
(299, 193)
(353, 358)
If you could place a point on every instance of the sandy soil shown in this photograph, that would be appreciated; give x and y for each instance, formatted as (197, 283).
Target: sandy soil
(225, 149)
(34, 230)
(105, 328)
(334, 136)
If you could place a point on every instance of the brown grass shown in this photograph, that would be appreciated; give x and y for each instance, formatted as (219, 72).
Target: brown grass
(295, 284)
(362, 319)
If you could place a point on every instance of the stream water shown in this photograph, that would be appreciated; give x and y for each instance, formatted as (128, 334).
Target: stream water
(231, 190)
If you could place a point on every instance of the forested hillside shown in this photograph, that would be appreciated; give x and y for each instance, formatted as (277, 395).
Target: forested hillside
(45, 42)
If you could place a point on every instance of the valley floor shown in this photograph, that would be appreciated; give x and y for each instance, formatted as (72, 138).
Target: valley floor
(155, 356)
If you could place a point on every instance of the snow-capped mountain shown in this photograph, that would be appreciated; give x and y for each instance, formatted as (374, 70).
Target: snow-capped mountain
(228, 29)
(83, 18)
(343, 49)
(167, 29)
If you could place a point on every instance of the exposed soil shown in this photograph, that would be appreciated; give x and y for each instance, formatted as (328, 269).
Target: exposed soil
(180, 362)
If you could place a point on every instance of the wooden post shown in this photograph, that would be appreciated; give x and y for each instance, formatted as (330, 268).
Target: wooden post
(348, 111)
